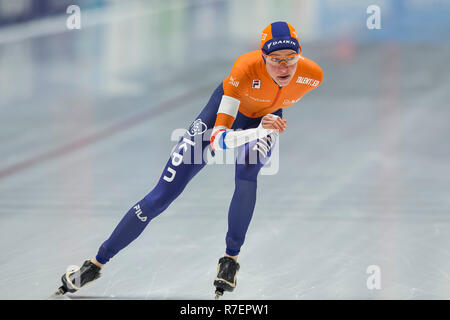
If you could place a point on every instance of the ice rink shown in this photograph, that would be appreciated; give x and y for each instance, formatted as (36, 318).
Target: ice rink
(86, 118)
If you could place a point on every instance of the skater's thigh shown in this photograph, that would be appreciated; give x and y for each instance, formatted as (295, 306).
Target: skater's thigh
(188, 156)
(204, 122)
(254, 155)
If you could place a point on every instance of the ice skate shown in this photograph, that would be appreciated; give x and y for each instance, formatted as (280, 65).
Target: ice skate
(73, 280)
(226, 276)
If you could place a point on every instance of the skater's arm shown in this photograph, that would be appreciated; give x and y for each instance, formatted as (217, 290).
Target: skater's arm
(222, 137)
(234, 87)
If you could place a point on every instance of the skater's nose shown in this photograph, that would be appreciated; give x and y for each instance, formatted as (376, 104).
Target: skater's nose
(283, 68)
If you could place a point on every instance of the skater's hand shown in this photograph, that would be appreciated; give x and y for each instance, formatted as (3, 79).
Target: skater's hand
(270, 121)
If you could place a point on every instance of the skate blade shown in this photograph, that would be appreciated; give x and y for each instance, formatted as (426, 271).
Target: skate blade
(58, 293)
(219, 293)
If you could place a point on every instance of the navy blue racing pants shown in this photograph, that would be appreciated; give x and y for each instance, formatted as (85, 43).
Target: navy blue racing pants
(187, 159)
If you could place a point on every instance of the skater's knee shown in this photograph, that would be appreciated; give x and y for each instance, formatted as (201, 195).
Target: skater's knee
(156, 203)
(246, 188)
(255, 156)
(247, 172)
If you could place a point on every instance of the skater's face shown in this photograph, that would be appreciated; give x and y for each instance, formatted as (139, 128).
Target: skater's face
(282, 70)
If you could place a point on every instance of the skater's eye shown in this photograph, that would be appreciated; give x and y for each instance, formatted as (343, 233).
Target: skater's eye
(289, 60)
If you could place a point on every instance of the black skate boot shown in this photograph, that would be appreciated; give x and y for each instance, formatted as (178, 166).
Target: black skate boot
(226, 275)
(73, 280)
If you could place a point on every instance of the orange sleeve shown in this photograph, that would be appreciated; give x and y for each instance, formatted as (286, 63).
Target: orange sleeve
(237, 81)
(316, 73)
(319, 73)
(234, 86)
(224, 119)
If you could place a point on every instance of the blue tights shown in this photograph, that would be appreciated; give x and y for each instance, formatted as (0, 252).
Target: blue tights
(185, 162)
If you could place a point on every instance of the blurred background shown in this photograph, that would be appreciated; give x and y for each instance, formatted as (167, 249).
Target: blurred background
(86, 118)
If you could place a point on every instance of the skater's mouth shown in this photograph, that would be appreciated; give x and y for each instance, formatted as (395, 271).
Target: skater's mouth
(283, 78)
